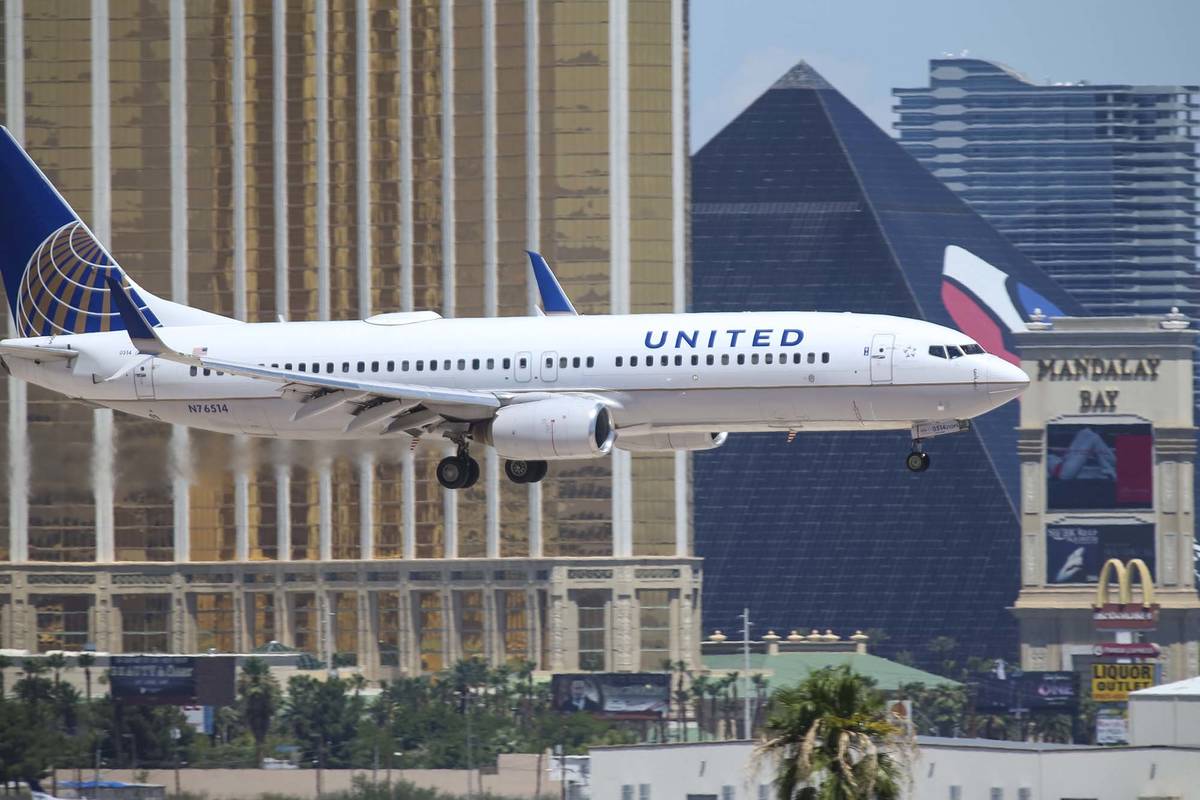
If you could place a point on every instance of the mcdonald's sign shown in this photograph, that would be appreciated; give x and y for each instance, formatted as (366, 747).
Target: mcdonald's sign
(1125, 614)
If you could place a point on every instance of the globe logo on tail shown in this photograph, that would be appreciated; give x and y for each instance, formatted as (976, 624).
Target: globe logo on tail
(63, 288)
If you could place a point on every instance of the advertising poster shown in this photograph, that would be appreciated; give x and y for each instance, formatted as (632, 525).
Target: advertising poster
(1099, 467)
(173, 680)
(1111, 726)
(637, 695)
(1112, 683)
(1041, 690)
(1075, 553)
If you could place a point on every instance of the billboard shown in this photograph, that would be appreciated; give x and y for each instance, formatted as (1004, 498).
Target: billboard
(1075, 553)
(173, 680)
(617, 695)
(1112, 683)
(1050, 689)
(1098, 467)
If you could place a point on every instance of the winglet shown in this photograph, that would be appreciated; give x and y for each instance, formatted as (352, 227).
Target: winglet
(554, 299)
(141, 332)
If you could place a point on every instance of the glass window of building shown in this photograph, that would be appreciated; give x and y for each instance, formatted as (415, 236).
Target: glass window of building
(345, 627)
(430, 623)
(304, 621)
(262, 621)
(593, 628)
(470, 623)
(512, 615)
(145, 622)
(654, 607)
(62, 621)
(214, 621)
(387, 627)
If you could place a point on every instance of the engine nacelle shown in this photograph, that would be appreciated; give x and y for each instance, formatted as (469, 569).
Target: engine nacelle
(670, 442)
(549, 430)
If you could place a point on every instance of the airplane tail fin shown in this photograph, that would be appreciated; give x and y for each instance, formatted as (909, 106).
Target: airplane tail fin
(54, 268)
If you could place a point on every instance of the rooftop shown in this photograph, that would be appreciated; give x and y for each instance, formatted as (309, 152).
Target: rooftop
(785, 668)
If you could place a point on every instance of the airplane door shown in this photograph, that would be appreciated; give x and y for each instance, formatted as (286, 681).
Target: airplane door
(881, 357)
(550, 367)
(143, 380)
(523, 367)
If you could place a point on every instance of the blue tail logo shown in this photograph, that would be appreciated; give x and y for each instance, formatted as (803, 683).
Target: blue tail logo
(55, 271)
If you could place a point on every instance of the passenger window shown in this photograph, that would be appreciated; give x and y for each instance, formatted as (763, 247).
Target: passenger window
(316, 367)
(812, 358)
(219, 373)
(433, 365)
(374, 366)
(724, 359)
(475, 363)
(782, 359)
(741, 358)
(287, 366)
(664, 360)
(575, 362)
(446, 364)
(937, 351)
(768, 359)
(709, 359)
(362, 365)
(506, 363)
(491, 363)
(420, 366)
(207, 372)
(620, 361)
(591, 361)
(796, 358)
(679, 361)
(404, 366)
(345, 366)
(695, 360)
(754, 358)
(462, 364)
(562, 363)
(633, 361)
(302, 366)
(192, 371)
(650, 360)
(329, 366)
(824, 358)
(952, 351)
(391, 366)
(274, 366)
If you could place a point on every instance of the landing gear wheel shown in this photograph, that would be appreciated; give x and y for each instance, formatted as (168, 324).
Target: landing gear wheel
(472, 473)
(454, 472)
(517, 471)
(917, 462)
(525, 471)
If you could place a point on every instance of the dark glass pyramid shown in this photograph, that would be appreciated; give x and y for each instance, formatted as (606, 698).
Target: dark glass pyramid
(802, 203)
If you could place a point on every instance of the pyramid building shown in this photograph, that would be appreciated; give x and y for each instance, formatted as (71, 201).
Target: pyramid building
(803, 203)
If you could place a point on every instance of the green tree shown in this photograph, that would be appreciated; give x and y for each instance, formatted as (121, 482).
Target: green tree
(323, 717)
(831, 739)
(258, 700)
(86, 661)
(5, 663)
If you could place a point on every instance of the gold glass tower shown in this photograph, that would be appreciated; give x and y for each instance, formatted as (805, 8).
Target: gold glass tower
(331, 160)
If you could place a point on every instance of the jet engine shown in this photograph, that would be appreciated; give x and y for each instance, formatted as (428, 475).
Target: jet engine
(548, 430)
(670, 442)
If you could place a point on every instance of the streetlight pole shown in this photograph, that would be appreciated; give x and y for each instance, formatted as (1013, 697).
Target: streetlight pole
(746, 672)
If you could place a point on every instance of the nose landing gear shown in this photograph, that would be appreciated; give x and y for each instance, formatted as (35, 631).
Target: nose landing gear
(917, 461)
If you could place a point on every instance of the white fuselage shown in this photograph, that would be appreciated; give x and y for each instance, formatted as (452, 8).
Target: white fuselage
(656, 372)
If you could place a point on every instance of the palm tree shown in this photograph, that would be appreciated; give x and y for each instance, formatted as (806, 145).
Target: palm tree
(698, 690)
(86, 661)
(831, 740)
(5, 663)
(258, 693)
(56, 662)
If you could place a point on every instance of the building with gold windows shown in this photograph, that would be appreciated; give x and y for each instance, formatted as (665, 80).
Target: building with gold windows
(330, 159)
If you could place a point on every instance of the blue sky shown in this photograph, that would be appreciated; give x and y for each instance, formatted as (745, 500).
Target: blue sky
(865, 47)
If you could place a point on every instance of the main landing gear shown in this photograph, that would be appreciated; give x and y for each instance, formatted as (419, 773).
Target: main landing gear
(525, 471)
(460, 471)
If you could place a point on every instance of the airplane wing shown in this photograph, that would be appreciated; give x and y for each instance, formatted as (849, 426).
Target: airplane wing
(411, 407)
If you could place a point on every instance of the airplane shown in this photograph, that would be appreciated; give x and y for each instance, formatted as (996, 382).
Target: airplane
(556, 386)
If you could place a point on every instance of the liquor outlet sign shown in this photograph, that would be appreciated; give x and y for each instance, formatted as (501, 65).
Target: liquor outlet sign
(1112, 683)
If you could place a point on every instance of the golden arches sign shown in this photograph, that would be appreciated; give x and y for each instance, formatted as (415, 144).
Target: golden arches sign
(1124, 574)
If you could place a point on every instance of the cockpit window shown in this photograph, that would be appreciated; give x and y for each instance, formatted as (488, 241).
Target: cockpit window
(937, 350)
(972, 349)
(952, 351)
